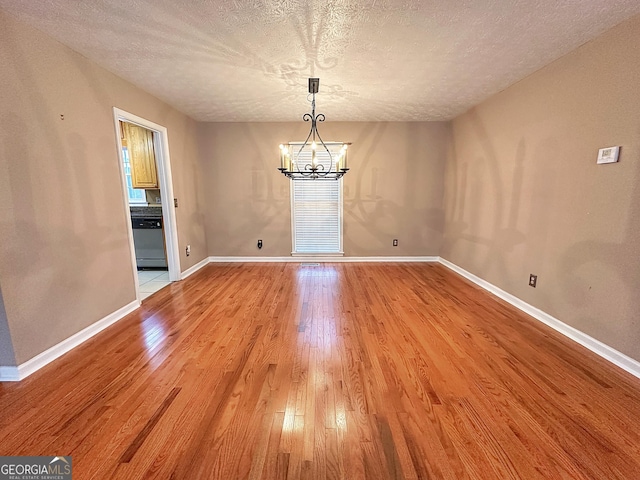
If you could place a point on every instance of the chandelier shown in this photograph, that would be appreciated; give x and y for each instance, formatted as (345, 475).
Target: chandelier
(313, 159)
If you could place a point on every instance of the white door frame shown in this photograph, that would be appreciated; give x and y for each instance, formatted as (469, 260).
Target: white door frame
(163, 162)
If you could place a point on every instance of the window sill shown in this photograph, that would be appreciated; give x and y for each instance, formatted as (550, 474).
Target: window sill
(336, 254)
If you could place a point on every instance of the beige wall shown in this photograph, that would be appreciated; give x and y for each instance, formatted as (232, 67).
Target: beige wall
(524, 194)
(64, 251)
(394, 190)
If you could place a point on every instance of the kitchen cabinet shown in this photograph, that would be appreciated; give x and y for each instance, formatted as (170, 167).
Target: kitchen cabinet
(139, 143)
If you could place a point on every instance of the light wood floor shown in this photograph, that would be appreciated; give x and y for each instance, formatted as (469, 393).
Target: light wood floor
(346, 371)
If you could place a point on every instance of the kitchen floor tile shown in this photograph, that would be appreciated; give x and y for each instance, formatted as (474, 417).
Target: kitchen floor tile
(144, 279)
(146, 275)
(152, 286)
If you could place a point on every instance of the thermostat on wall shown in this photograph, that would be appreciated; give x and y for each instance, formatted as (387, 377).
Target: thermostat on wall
(608, 155)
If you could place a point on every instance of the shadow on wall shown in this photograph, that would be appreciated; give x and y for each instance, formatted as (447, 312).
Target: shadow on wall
(393, 190)
(383, 211)
(367, 207)
(251, 202)
(475, 181)
(483, 219)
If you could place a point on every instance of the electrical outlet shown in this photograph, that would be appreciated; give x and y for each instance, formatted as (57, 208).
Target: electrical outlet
(175, 202)
(395, 242)
(259, 243)
(533, 280)
(188, 250)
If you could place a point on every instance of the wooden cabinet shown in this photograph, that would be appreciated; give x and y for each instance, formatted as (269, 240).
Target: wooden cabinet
(139, 143)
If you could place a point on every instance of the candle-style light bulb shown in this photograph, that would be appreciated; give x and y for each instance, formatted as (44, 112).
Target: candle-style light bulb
(344, 157)
(287, 160)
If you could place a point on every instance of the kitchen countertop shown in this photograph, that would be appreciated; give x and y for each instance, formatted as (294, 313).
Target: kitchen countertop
(151, 212)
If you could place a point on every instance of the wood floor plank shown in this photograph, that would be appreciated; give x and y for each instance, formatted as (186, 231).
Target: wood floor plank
(335, 371)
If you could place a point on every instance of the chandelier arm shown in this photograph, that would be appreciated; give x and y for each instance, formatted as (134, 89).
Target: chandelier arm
(326, 148)
(306, 140)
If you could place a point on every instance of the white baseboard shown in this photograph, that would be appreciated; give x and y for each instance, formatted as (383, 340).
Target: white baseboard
(605, 351)
(321, 259)
(193, 269)
(9, 374)
(30, 366)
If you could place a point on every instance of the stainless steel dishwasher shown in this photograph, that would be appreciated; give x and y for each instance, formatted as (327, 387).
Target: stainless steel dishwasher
(148, 239)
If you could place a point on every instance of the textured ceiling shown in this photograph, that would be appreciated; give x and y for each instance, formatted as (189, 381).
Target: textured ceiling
(392, 60)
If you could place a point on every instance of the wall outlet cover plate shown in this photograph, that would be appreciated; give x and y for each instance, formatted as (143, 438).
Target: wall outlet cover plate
(608, 155)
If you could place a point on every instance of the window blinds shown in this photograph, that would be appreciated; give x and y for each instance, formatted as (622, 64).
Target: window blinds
(316, 208)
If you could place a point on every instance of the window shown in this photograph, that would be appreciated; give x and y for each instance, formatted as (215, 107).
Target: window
(136, 195)
(316, 214)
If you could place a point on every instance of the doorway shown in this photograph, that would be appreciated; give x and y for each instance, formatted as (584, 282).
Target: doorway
(145, 169)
